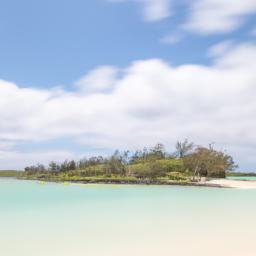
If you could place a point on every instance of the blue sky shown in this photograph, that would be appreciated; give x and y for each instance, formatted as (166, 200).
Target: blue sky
(49, 43)
(93, 52)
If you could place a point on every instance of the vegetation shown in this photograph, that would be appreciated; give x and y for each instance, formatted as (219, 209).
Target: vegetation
(10, 173)
(209, 162)
(241, 174)
(150, 165)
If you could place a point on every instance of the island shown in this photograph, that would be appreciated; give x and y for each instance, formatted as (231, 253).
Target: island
(188, 165)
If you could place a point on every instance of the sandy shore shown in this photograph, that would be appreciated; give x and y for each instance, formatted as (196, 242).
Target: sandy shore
(233, 183)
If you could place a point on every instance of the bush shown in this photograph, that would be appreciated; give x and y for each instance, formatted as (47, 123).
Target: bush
(158, 168)
(176, 176)
(172, 165)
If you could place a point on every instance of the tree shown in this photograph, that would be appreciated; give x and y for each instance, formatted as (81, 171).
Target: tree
(41, 168)
(72, 165)
(209, 162)
(155, 169)
(64, 166)
(53, 166)
(150, 170)
(158, 151)
(183, 148)
(115, 164)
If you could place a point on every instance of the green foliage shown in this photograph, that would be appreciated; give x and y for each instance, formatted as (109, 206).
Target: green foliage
(93, 170)
(209, 162)
(241, 174)
(157, 168)
(152, 154)
(115, 165)
(183, 148)
(10, 173)
(149, 164)
(172, 165)
(138, 170)
(177, 176)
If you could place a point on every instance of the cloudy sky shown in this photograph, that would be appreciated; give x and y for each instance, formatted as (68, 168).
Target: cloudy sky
(86, 77)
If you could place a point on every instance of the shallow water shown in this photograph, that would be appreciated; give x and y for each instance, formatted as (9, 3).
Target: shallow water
(110, 220)
(241, 178)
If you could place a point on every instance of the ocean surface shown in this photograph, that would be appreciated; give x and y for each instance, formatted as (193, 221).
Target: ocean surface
(110, 220)
(242, 178)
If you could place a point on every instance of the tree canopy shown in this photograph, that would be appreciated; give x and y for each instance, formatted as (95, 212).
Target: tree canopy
(149, 163)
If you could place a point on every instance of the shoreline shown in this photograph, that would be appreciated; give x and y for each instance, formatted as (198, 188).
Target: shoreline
(238, 184)
(212, 183)
(132, 182)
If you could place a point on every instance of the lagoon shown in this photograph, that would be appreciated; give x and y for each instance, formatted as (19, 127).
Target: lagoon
(112, 220)
(249, 178)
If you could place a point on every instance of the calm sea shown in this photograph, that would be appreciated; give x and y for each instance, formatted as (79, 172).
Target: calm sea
(105, 220)
(242, 178)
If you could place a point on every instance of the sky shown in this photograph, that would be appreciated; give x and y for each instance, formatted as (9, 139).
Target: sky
(81, 78)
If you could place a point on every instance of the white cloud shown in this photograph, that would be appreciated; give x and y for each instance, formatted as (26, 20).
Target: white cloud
(221, 48)
(151, 102)
(101, 79)
(156, 9)
(17, 160)
(152, 10)
(203, 16)
(218, 16)
(171, 39)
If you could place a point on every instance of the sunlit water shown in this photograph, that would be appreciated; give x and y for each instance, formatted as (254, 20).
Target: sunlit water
(242, 178)
(93, 220)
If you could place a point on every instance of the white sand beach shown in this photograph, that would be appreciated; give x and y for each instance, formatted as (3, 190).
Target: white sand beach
(241, 184)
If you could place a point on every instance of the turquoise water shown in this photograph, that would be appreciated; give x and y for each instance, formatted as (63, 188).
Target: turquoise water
(80, 220)
(241, 178)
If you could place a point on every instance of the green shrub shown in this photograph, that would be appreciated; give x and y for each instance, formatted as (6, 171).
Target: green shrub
(176, 176)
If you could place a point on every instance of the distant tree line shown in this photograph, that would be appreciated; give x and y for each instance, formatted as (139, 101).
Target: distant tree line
(148, 163)
(10, 173)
